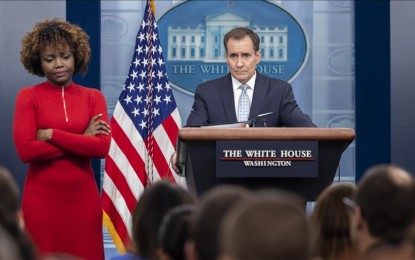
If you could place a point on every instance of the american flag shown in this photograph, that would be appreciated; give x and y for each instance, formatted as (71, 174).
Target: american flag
(144, 128)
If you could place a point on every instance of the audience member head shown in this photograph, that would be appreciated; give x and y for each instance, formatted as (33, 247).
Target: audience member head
(384, 211)
(174, 232)
(9, 194)
(15, 243)
(213, 205)
(156, 200)
(271, 226)
(8, 247)
(330, 223)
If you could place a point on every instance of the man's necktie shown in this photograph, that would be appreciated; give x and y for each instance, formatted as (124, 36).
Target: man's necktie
(243, 104)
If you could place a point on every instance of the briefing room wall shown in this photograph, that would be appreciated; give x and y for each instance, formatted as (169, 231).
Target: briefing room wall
(113, 70)
(324, 88)
(402, 83)
(16, 19)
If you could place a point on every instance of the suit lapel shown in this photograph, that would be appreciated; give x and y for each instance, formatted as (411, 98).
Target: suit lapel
(228, 99)
(259, 96)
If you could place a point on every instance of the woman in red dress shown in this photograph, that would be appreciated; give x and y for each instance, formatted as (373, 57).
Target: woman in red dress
(58, 127)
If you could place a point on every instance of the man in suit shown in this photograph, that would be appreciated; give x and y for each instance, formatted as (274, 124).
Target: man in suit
(271, 100)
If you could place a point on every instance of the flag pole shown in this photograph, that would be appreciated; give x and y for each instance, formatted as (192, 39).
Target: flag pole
(144, 129)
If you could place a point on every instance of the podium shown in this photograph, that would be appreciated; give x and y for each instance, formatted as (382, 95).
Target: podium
(197, 155)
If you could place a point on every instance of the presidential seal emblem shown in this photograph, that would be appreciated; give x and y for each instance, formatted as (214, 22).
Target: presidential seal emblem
(193, 34)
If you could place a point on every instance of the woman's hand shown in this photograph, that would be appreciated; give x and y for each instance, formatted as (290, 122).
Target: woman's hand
(44, 135)
(97, 126)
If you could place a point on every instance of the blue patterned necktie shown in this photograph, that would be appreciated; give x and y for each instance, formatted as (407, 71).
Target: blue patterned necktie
(243, 104)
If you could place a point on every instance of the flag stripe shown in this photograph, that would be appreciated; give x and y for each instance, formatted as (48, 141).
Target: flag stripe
(171, 127)
(160, 164)
(119, 209)
(121, 183)
(126, 146)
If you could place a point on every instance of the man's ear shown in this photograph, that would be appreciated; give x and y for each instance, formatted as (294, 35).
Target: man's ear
(20, 219)
(359, 221)
(258, 56)
(190, 250)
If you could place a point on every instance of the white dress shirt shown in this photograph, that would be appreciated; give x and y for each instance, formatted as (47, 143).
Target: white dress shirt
(237, 92)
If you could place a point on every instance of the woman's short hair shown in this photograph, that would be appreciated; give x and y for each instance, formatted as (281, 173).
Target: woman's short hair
(55, 32)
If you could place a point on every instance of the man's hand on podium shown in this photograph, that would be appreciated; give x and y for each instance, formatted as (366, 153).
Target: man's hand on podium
(173, 161)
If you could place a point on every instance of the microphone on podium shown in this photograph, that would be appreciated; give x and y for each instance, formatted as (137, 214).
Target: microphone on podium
(260, 120)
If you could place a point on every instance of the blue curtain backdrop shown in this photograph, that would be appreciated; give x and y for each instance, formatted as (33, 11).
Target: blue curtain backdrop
(87, 14)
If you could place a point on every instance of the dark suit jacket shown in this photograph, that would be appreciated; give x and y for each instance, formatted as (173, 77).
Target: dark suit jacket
(214, 104)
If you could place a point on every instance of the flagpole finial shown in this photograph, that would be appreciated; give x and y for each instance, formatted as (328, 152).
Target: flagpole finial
(153, 6)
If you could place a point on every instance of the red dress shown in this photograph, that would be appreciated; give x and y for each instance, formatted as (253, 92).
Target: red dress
(61, 202)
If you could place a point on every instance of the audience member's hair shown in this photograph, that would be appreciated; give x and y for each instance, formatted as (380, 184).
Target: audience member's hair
(9, 193)
(207, 219)
(174, 232)
(386, 195)
(412, 238)
(154, 203)
(13, 237)
(270, 227)
(330, 223)
(8, 246)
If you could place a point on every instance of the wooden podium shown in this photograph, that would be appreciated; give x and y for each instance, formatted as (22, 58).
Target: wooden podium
(196, 154)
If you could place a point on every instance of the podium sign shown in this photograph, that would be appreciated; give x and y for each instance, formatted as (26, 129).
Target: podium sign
(204, 164)
(267, 159)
